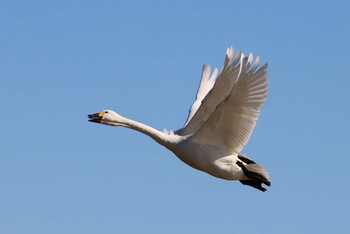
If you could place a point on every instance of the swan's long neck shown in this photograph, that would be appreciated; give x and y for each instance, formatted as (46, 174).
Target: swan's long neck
(167, 140)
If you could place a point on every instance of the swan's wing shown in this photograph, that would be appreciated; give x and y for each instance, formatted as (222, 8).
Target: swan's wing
(232, 122)
(212, 92)
(206, 84)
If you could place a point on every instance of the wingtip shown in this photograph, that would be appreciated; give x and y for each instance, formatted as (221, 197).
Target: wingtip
(206, 68)
(229, 53)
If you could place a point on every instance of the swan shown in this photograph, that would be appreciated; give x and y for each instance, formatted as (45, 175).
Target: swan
(219, 124)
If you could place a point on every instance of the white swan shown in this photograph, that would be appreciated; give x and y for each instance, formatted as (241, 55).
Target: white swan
(219, 124)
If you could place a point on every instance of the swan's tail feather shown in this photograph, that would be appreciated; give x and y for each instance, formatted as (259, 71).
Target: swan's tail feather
(256, 173)
(260, 171)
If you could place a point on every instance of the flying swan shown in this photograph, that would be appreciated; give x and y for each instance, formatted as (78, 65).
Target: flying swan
(219, 124)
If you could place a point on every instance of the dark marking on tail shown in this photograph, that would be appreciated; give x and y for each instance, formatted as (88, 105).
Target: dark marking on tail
(256, 179)
(254, 183)
(245, 159)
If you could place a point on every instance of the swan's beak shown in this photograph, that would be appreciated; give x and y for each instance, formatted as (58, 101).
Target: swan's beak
(96, 118)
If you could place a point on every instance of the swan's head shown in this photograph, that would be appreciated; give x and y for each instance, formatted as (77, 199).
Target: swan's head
(107, 117)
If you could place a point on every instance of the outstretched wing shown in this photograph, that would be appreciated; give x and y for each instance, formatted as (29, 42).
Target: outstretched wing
(212, 92)
(206, 84)
(231, 124)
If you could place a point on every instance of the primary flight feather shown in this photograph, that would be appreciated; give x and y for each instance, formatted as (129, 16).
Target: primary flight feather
(219, 124)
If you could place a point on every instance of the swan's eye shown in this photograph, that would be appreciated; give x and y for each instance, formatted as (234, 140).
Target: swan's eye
(106, 112)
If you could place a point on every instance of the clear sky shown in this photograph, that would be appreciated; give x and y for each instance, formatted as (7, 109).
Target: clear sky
(62, 60)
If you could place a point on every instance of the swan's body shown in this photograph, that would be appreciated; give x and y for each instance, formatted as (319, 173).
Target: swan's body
(219, 124)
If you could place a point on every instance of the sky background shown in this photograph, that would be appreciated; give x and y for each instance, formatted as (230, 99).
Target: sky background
(62, 60)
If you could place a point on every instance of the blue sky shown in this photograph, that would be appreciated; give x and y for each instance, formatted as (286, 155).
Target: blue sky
(62, 60)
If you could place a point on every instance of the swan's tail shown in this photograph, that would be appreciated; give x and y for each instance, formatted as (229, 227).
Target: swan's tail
(256, 173)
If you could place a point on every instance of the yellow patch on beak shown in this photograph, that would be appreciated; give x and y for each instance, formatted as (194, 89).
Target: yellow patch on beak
(100, 114)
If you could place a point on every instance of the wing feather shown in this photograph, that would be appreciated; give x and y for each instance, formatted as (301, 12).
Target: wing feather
(206, 84)
(231, 124)
(220, 90)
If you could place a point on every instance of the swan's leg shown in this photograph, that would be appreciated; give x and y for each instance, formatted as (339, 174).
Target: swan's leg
(254, 183)
(256, 179)
(245, 159)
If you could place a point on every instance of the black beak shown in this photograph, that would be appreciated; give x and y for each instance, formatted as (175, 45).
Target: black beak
(95, 118)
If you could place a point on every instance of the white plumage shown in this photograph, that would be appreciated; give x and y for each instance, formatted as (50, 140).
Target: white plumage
(219, 124)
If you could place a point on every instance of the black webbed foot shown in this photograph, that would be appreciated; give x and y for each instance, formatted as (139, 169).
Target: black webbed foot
(256, 179)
